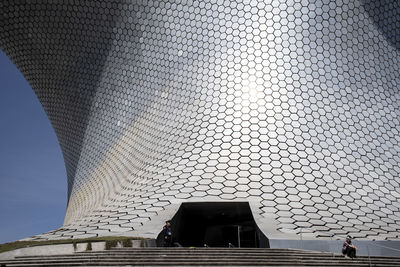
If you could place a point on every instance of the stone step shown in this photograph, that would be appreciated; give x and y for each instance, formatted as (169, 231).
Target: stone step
(188, 254)
(210, 249)
(191, 257)
(192, 254)
(200, 265)
(203, 264)
(228, 257)
(206, 254)
(202, 254)
(207, 257)
(215, 261)
(280, 263)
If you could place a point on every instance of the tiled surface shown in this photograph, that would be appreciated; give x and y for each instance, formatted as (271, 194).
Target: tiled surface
(290, 104)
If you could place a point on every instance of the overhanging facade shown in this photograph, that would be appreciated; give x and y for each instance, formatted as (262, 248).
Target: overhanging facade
(292, 106)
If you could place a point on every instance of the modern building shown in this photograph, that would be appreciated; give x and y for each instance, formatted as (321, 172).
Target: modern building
(278, 120)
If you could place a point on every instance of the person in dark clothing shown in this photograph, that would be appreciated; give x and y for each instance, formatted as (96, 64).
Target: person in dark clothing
(167, 234)
(348, 249)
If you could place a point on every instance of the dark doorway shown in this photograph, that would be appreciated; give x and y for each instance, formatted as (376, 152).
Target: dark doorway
(217, 224)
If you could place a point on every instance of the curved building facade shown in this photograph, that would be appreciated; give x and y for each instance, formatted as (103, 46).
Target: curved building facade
(291, 106)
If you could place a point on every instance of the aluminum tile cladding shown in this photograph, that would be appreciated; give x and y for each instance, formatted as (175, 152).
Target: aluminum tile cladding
(292, 104)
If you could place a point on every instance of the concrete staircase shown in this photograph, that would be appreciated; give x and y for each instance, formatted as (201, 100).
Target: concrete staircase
(200, 257)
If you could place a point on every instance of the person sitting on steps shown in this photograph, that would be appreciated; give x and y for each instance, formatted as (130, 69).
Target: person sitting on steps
(348, 249)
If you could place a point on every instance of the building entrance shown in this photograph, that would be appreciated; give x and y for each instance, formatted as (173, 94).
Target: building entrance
(217, 224)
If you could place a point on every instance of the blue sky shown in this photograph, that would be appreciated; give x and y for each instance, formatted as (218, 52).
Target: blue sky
(33, 183)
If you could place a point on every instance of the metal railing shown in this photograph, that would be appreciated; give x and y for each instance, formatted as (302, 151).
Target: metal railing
(376, 245)
(341, 237)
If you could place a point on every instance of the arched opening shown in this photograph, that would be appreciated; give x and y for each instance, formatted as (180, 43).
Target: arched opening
(216, 224)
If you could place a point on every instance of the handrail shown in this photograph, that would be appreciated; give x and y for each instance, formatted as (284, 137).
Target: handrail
(369, 257)
(384, 247)
(339, 236)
